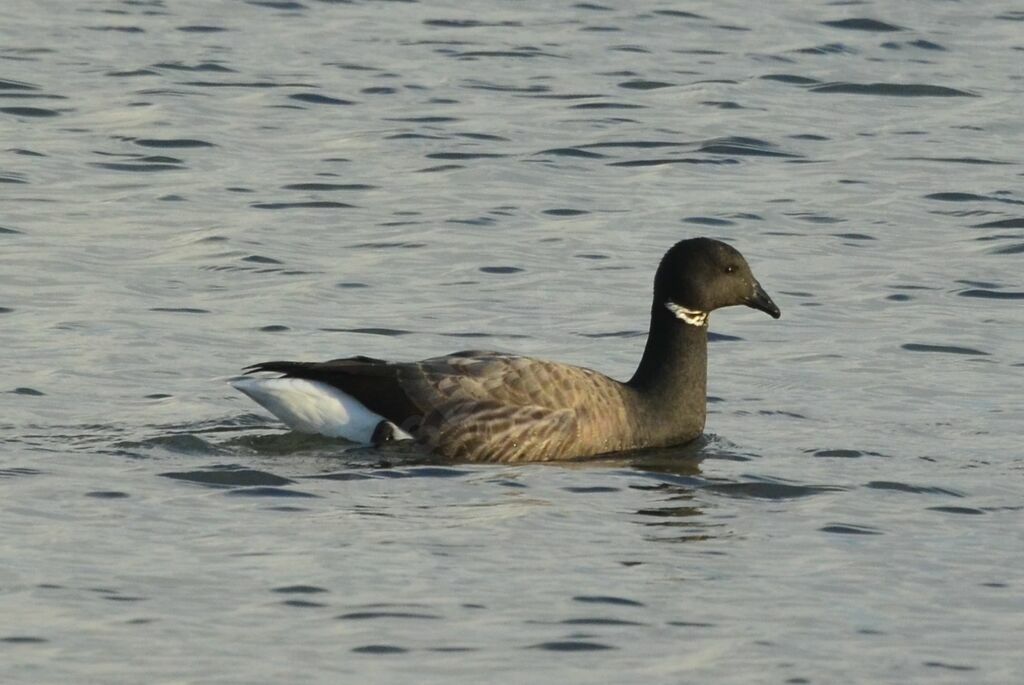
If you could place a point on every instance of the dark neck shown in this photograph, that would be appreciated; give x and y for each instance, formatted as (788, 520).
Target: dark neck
(672, 376)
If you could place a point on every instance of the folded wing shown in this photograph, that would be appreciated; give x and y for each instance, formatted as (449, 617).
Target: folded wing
(479, 405)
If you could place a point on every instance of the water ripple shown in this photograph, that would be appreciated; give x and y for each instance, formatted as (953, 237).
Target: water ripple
(991, 294)
(172, 142)
(229, 475)
(948, 349)
(769, 490)
(914, 489)
(891, 89)
(34, 112)
(849, 529)
(571, 646)
(317, 99)
(863, 24)
(313, 204)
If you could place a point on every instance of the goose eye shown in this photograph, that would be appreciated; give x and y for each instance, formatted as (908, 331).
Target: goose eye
(730, 269)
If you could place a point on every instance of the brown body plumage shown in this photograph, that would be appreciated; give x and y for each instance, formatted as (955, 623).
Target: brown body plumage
(490, 406)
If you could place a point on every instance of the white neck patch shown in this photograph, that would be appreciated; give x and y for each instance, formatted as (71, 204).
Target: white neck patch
(694, 317)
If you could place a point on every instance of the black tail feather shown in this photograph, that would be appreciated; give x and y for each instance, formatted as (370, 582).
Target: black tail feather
(374, 382)
(322, 370)
(286, 368)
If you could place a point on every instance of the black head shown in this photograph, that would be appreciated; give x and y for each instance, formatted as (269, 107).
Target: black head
(700, 275)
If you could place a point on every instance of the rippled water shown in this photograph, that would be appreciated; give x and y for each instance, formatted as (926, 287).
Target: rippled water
(189, 187)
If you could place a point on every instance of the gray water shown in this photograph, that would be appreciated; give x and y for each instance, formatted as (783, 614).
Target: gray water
(187, 187)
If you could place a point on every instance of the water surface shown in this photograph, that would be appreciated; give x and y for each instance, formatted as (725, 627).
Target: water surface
(190, 187)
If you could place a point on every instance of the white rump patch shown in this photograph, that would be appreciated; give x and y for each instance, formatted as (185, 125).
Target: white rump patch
(315, 407)
(694, 317)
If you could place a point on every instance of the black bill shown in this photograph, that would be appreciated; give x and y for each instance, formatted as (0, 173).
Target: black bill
(760, 300)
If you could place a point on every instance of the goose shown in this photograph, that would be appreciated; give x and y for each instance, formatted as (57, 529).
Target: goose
(483, 406)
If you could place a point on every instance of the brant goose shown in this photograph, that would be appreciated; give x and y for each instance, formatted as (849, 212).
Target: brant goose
(491, 406)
